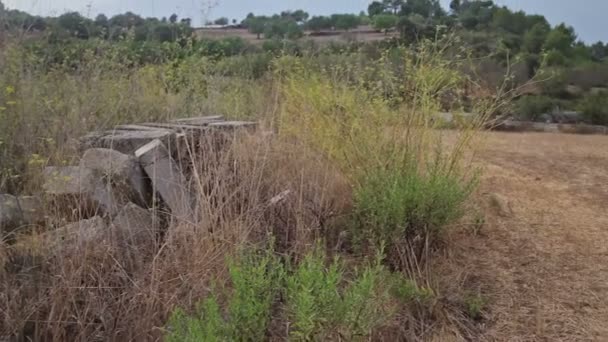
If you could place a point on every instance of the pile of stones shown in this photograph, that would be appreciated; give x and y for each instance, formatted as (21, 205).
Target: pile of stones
(124, 176)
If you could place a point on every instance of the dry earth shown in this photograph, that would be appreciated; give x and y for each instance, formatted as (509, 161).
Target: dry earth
(362, 34)
(540, 261)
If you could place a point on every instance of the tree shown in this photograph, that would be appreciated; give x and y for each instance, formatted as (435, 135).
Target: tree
(256, 25)
(223, 21)
(393, 5)
(425, 8)
(385, 22)
(320, 23)
(101, 20)
(345, 22)
(300, 16)
(561, 39)
(173, 18)
(376, 8)
(186, 22)
(294, 31)
(535, 38)
(598, 51)
(75, 24)
(455, 6)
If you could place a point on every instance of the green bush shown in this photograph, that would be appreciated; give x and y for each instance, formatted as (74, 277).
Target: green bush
(594, 108)
(256, 281)
(323, 304)
(532, 107)
(321, 301)
(392, 204)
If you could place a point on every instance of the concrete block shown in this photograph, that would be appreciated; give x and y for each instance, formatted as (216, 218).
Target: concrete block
(76, 190)
(17, 212)
(167, 179)
(32, 210)
(79, 234)
(135, 226)
(200, 121)
(126, 142)
(123, 172)
(11, 216)
(234, 125)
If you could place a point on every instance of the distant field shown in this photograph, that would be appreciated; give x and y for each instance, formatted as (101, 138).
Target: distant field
(363, 34)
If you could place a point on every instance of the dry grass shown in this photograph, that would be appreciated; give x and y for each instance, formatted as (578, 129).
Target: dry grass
(542, 269)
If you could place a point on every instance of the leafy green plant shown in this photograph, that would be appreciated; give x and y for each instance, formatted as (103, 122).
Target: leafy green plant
(255, 282)
(594, 108)
(323, 303)
(474, 305)
(532, 107)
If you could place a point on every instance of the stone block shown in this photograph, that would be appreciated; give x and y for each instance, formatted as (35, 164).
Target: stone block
(200, 121)
(123, 172)
(11, 216)
(79, 234)
(126, 142)
(233, 125)
(76, 190)
(167, 179)
(135, 226)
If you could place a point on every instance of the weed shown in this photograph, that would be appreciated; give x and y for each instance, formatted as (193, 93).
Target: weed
(474, 306)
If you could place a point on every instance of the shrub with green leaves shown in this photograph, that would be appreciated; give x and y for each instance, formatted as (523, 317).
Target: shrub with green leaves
(256, 281)
(594, 108)
(407, 203)
(321, 301)
(532, 107)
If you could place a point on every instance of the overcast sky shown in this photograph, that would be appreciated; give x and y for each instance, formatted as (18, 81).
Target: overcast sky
(587, 16)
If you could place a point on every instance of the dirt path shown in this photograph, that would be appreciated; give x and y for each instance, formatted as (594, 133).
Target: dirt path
(543, 267)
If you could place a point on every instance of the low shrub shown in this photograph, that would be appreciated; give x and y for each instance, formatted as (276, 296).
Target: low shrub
(256, 280)
(594, 108)
(321, 301)
(530, 108)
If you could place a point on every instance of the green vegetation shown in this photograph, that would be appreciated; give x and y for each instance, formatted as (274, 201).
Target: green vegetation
(595, 108)
(320, 300)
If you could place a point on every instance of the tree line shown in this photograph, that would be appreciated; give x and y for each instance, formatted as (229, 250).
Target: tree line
(75, 25)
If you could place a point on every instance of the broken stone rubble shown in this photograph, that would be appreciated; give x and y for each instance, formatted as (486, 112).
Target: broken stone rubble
(122, 174)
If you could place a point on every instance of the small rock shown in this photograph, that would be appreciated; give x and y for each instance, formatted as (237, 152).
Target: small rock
(11, 216)
(76, 191)
(32, 210)
(16, 212)
(78, 234)
(501, 205)
(135, 226)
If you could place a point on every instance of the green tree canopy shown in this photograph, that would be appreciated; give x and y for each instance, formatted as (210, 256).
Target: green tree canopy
(345, 21)
(385, 22)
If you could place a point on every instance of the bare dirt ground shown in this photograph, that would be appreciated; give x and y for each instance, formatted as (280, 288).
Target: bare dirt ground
(541, 262)
(361, 34)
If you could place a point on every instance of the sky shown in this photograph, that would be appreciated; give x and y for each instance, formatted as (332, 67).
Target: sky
(587, 17)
